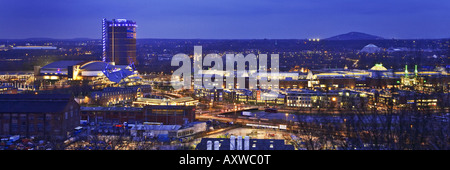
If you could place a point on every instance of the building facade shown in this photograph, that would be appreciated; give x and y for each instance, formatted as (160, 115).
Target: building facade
(119, 41)
(170, 115)
(119, 95)
(8, 90)
(44, 115)
(172, 131)
(243, 143)
(167, 115)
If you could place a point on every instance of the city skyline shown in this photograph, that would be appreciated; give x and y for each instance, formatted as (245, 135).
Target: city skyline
(231, 20)
(255, 75)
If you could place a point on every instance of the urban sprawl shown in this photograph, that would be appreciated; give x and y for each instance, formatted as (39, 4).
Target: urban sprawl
(116, 93)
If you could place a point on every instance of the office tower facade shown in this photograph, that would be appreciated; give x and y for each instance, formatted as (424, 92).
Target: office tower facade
(119, 41)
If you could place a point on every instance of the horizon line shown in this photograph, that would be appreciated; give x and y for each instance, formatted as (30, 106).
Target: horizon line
(81, 38)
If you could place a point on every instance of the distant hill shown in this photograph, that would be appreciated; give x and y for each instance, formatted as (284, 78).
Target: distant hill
(355, 36)
(38, 39)
(48, 39)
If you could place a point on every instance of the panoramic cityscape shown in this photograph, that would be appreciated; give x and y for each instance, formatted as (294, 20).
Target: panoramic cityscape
(118, 90)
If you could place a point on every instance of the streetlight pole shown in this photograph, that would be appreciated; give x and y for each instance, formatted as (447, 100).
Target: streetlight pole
(286, 121)
(235, 112)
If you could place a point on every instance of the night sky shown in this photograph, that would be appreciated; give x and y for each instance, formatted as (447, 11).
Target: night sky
(232, 19)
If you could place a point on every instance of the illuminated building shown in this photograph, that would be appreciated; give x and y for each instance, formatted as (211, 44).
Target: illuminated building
(408, 80)
(119, 41)
(87, 70)
(253, 96)
(119, 95)
(294, 84)
(370, 48)
(171, 131)
(210, 94)
(17, 77)
(376, 77)
(349, 99)
(183, 101)
(55, 70)
(309, 98)
(410, 99)
(244, 144)
(378, 67)
(207, 74)
(8, 90)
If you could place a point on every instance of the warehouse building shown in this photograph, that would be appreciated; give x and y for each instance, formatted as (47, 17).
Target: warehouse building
(44, 115)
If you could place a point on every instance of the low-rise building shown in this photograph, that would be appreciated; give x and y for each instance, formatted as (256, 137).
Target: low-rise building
(119, 95)
(172, 131)
(167, 115)
(251, 144)
(182, 101)
(111, 115)
(8, 90)
(43, 115)
(410, 99)
(310, 98)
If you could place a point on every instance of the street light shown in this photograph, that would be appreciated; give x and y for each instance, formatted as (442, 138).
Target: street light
(286, 116)
(286, 121)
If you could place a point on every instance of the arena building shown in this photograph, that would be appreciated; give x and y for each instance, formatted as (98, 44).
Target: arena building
(90, 70)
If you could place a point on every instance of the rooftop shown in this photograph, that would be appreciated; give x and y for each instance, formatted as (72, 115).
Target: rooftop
(156, 127)
(62, 64)
(378, 67)
(255, 144)
(371, 48)
(110, 109)
(94, 66)
(28, 97)
(30, 103)
(152, 101)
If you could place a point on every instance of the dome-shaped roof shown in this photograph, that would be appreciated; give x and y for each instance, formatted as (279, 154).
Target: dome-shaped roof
(94, 66)
(63, 64)
(378, 67)
(370, 48)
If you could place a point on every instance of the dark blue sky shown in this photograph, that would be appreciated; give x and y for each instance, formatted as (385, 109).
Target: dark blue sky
(236, 19)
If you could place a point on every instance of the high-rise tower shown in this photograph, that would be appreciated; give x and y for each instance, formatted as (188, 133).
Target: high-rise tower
(119, 41)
